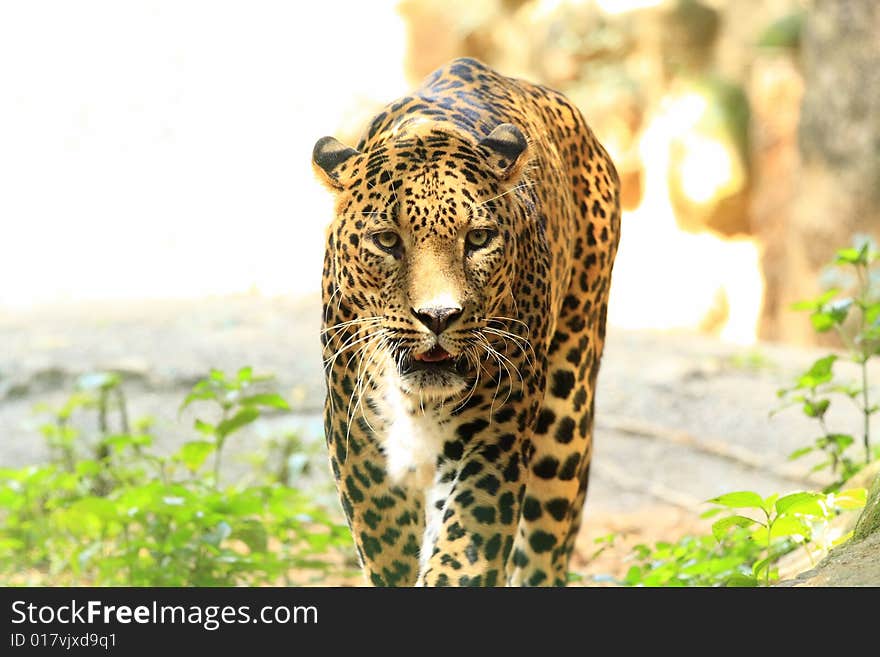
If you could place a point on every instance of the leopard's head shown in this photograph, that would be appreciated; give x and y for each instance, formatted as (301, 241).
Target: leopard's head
(424, 249)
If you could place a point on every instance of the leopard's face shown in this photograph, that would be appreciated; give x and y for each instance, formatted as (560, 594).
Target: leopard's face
(427, 256)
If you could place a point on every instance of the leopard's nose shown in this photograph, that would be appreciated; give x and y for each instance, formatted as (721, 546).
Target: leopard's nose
(437, 319)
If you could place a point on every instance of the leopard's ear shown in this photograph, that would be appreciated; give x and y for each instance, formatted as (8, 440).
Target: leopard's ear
(329, 158)
(506, 147)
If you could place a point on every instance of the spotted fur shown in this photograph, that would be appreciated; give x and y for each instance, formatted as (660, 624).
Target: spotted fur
(465, 289)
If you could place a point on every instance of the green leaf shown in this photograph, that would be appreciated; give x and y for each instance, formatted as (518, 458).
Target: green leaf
(816, 509)
(118, 442)
(87, 468)
(740, 500)
(633, 575)
(204, 427)
(852, 498)
(804, 305)
(796, 454)
(816, 408)
(872, 312)
(819, 373)
(253, 534)
(720, 527)
(193, 454)
(761, 567)
(196, 395)
(739, 580)
(841, 307)
(641, 551)
(245, 374)
(851, 256)
(792, 501)
(790, 525)
(817, 303)
(247, 503)
(244, 417)
(840, 441)
(271, 400)
(100, 507)
(822, 321)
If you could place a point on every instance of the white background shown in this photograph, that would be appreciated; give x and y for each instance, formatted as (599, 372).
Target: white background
(162, 148)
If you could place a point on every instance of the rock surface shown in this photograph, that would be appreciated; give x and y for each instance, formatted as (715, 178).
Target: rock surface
(855, 563)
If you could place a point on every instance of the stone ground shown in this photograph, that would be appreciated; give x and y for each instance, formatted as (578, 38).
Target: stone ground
(681, 418)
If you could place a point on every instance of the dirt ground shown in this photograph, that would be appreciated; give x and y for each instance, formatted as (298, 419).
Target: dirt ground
(680, 418)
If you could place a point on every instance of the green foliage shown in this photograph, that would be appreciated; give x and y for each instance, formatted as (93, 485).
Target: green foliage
(111, 511)
(855, 316)
(692, 561)
(780, 523)
(744, 546)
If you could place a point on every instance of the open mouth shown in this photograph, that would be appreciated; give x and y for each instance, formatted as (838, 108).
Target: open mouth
(437, 354)
(436, 359)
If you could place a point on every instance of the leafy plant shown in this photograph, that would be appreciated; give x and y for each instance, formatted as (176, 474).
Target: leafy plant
(742, 549)
(699, 560)
(856, 319)
(781, 522)
(239, 406)
(109, 510)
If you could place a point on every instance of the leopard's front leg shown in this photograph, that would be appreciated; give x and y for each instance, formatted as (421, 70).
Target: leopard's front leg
(472, 514)
(386, 519)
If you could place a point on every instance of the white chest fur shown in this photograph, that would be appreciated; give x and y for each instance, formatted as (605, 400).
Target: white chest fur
(414, 435)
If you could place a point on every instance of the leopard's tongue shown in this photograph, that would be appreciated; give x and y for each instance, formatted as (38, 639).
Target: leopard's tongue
(435, 355)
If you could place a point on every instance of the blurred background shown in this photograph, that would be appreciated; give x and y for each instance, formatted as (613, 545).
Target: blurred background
(161, 149)
(159, 218)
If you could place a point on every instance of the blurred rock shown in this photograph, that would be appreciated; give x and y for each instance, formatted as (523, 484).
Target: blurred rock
(776, 88)
(746, 24)
(442, 30)
(869, 520)
(852, 564)
(688, 33)
(714, 151)
(837, 193)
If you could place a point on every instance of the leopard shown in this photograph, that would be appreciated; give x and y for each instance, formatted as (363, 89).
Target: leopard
(465, 288)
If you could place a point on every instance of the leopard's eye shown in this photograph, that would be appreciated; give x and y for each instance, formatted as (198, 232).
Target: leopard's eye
(478, 238)
(387, 240)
